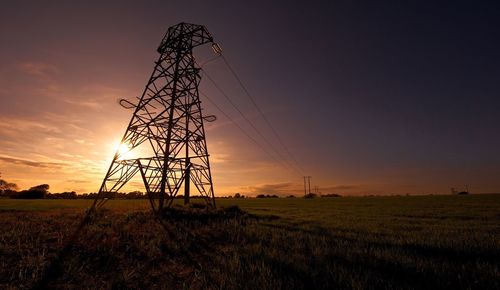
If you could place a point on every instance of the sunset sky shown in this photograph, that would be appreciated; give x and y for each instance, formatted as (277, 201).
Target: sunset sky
(370, 98)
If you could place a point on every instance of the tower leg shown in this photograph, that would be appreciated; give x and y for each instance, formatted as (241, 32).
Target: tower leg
(187, 182)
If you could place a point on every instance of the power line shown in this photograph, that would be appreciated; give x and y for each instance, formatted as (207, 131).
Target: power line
(249, 122)
(286, 165)
(209, 60)
(260, 112)
(243, 130)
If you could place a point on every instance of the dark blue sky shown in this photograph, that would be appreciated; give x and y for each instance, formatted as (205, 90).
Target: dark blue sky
(370, 96)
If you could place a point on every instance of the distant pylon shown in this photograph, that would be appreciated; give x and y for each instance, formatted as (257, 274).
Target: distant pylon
(305, 188)
(308, 178)
(166, 135)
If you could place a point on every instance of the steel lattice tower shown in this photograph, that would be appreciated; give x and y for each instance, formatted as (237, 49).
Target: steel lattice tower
(166, 129)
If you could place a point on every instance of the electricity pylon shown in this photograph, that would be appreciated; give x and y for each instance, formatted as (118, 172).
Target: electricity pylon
(166, 135)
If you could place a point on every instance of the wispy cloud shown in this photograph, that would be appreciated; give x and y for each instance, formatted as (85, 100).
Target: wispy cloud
(277, 188)
(42, 78)
(48, 83)
(341, 187)
(38, 164)
(286, 188)
(13, 126)
(95, 97)
(77, 181)
(38, 69)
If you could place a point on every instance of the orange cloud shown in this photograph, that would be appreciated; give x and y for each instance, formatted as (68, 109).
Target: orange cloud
(18, 161)
(39, 69)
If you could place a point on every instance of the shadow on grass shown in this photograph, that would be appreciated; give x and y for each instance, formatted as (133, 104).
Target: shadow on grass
(421, 250)
(186, 227)
(55, 267)
(199, 248)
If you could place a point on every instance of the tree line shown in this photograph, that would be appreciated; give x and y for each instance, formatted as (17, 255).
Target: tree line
(11, 190)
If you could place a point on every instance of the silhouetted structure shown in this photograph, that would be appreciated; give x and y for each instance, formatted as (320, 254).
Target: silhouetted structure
(456, 192)
(308, 178)
(166, 131)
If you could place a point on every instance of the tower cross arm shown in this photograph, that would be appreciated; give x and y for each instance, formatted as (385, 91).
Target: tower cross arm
(193, 34)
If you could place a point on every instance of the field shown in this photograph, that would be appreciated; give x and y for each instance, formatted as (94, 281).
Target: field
(421, 242)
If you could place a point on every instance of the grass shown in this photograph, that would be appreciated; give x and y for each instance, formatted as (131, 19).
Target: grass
(351, 242)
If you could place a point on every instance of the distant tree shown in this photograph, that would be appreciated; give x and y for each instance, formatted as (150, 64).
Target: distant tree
(310, 195)
(4, 185)
(91, 195)
(36, 192)
(291, 196)
(237, 195)
(331, 195)
(71, 195)
(266, 196)
(134, 194)
(41, 187)
(464, 192)
(62, 195)
(9, 193)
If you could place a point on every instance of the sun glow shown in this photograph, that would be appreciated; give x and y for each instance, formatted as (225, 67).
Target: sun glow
(123, 151)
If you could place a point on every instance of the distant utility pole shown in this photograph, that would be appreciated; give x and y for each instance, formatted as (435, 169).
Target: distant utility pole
(309, 182)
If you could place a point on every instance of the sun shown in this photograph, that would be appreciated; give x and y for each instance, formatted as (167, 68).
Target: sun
(123, 150)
